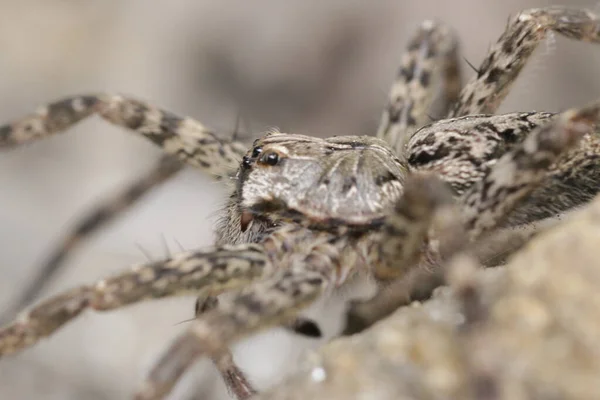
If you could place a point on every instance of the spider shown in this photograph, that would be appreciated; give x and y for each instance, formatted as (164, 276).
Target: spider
(306, 215)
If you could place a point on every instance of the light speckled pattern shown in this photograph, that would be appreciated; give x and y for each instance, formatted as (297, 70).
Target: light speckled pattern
(432, 57)
(184, 138)
(277, 209)
(505, 60)
(215, 271)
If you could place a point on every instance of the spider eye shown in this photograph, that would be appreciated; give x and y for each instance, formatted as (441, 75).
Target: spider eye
(246, 163)
(256, 152)
(270, 158)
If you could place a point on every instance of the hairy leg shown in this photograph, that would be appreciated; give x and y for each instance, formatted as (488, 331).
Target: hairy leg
(236, 381)
(185, 138)
(205, 273)
(95, 220)
(394, 250)
(505, 60)
(430, 62)
(426, 207)
(421, 280)
(311, 267)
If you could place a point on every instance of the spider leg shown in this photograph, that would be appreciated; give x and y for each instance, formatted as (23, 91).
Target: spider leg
(505, 60)
(426, 206)
(516, 174)
(185, 138)
(399, 244)
(95, 220)
(310, 270)
(204, 272)
(431, 57)
(299, 325)
(236, 381)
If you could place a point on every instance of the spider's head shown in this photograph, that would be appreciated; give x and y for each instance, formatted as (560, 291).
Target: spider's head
(348, 180)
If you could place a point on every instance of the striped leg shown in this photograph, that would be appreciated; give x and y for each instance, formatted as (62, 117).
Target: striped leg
(431, 60)
(236, 381)
(505, 60)
(404, 271)
(204, 273)
(92, 222)
(399, 245)
(311, 269)
(185, 138)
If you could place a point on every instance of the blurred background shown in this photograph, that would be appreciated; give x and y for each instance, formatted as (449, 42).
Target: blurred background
(306, 66)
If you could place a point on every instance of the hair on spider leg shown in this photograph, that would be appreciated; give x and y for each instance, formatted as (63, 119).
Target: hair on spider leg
(144, 251)
(473, 67)
(240, 119)
(178, 243)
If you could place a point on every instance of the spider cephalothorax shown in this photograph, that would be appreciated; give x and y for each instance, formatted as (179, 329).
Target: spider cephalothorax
(350, 179)
(306, 214)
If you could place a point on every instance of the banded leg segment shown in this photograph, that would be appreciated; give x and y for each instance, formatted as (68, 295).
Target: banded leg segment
(397, 248)
(431, 59)
(204, 273)
(185, 138)
(516, 174)
(265, 304)
(426, 206)
(505, 60)
(235, 380)
(95, 220)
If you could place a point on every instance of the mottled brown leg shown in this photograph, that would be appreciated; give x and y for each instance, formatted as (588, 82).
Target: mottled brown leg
(92, 222)
(205, 273)
(235, 380)
(430, 62)
(414, 280)
(185, 138)
(298, 325)
(505, 60)
(516, 174)
(362, 314)
(265, 304)
(398, 247)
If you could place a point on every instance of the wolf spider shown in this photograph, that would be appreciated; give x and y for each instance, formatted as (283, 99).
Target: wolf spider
(307, 214)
